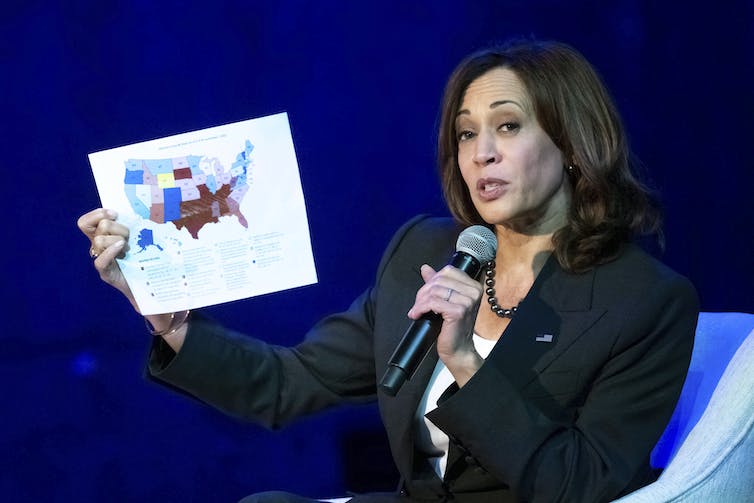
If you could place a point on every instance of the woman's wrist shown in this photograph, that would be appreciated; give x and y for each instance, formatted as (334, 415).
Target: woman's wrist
(163, 326)
(463, 366)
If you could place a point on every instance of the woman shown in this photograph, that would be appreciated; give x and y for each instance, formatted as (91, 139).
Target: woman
(551, 382)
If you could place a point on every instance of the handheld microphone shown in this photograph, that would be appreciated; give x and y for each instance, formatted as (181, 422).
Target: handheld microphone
(475, 246)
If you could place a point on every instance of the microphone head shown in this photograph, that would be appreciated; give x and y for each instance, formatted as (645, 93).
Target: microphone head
(479, 242)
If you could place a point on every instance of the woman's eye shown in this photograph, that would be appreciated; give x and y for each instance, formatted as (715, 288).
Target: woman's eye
(508, 126)
(465, 135)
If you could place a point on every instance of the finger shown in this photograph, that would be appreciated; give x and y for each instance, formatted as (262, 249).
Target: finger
(447, 286)
(434, 283)
(101, 243)
(444, 297)
(457, 274)
(446, 281)
(111, 227)
(448, 293)
(449, 311)
(88, 222)
(448, 273)
(107, 257)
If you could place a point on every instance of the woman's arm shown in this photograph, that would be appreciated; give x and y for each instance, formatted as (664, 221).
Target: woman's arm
(247, 377)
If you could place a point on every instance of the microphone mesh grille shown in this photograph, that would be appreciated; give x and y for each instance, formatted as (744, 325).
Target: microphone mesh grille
(479, 242)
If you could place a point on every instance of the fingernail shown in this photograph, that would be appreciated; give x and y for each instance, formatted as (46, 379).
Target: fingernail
(112, 214)
(119, 244)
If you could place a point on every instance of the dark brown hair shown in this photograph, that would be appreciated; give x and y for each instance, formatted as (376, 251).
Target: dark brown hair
(610, 205)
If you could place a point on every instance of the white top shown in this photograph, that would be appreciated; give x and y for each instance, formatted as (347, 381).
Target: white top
(429, 438)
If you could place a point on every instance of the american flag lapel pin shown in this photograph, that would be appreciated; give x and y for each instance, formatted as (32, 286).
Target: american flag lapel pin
(544, 338)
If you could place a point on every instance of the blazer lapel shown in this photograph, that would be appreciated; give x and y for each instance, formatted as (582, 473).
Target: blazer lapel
(555, 313)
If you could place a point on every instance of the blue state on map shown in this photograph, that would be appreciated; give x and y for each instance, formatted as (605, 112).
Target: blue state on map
(146, 238)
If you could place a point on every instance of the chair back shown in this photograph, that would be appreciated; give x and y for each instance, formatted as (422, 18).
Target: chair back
(718, 337)
(713, 462)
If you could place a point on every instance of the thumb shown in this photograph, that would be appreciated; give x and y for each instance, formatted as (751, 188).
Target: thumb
(107, 258)
(427, 272)
(112, 251)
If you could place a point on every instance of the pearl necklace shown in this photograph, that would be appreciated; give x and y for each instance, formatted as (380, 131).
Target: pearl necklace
(491, 299)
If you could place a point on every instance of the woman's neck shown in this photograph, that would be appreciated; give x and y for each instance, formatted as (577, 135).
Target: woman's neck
(522, 255)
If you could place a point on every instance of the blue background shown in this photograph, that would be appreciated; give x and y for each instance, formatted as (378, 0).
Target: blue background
(361, 82)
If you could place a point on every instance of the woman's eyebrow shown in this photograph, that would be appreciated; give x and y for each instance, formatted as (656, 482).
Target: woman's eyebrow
(494, 104)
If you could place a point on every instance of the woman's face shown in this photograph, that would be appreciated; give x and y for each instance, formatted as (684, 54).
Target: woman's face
(513, 170)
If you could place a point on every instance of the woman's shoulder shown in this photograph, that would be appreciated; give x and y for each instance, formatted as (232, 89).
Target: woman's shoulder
(635, 270)
(634, 259)
(422, 239)
(426, 231)
(431, 226)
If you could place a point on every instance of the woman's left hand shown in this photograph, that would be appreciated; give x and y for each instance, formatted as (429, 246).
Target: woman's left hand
(455, 296)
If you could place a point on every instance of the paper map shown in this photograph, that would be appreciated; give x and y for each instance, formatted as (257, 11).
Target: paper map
(214, 215)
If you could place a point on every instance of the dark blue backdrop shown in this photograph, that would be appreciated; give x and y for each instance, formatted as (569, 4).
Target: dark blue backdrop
(361, 82)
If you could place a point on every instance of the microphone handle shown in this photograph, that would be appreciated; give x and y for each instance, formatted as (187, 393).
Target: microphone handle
(410, 352)
(420, 336)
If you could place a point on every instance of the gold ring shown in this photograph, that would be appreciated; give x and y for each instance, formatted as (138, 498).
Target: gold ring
(92, 253)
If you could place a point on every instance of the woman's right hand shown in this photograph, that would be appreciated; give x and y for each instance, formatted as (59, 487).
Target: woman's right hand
(107, 240)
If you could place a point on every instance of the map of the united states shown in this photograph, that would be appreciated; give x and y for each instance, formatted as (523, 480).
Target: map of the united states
(190, 191)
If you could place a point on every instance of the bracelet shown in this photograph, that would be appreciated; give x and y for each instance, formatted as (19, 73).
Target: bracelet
(176, 322)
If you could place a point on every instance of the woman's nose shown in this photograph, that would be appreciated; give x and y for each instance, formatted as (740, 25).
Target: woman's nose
(486, 150)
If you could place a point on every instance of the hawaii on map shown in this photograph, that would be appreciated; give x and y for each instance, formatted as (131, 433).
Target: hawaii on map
(214, 215)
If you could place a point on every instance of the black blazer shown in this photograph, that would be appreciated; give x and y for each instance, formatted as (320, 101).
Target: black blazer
(573, 419)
